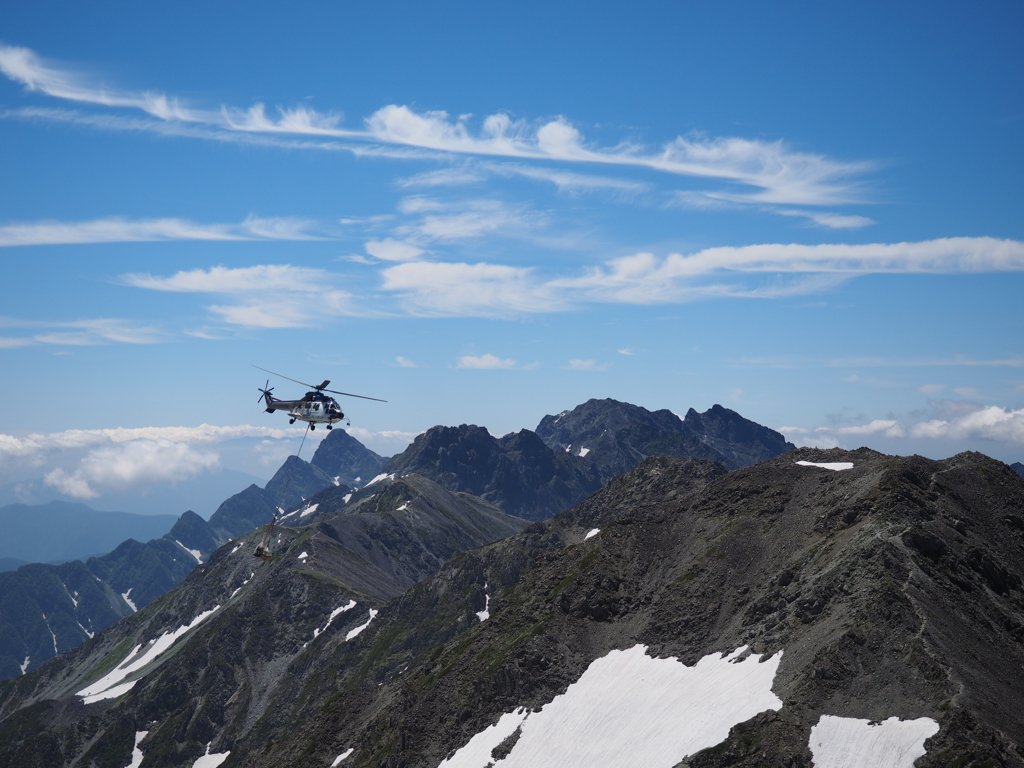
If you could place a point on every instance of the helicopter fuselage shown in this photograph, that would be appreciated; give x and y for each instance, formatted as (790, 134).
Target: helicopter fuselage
(315, 408)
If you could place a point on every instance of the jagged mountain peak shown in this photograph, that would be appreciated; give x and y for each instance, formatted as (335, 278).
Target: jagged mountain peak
(343, 458)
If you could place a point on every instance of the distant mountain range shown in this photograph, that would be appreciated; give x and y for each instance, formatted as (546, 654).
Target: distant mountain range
(60, 531)
(823, 607)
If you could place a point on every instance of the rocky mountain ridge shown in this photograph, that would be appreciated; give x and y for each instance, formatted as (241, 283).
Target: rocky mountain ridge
(535, 475)
(875, 595)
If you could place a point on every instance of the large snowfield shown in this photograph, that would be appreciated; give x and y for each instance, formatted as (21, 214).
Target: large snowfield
(846, 742)
(629, 710)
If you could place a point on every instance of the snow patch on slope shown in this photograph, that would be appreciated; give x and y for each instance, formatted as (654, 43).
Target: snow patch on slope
(128, 600)
(485, 614)
(334, 614)
(309, 510)
(846, 742)
(353, 632)
(113, 683)
(629, 710)
(194, 552)
(835, 466)
(211, 761)
(137, 753)
(342, 756)
(592, 532)
(24, 664)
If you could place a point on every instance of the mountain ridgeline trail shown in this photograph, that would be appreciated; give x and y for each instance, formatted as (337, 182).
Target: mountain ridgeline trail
(813, 601)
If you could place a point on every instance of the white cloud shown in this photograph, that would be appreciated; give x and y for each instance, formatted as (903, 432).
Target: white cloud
(134, 463)
(931, 389)
(393, 250)
(403, 363)
(487, 361)
(830, 220)
(890, 427)
(986, 423)
(38, 443)
(117, 230)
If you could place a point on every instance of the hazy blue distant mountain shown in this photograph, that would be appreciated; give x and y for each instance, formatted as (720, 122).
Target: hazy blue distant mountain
(347, 460)
(60, 531)
(11, 563)
(1018, 468)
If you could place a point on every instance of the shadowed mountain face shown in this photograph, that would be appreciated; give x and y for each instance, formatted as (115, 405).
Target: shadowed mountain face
(887, 591)
(535, 475)
(517, 472)
(345, 459)
(1018, 468)
(615, 436)
(294, 482)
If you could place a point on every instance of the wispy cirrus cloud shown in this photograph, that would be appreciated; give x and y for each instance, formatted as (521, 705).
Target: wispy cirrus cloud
(79, 333)
(577, 364)
(119, 230)
(763, 172)
(266, 296)
(475, 290)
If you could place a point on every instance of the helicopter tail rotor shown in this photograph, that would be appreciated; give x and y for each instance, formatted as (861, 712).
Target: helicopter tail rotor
(264, 392)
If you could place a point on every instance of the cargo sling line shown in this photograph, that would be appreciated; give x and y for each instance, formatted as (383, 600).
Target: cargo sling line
(263, 548)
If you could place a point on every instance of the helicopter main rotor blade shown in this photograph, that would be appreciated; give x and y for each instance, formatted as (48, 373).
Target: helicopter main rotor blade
(349, 394)
(321, 388)
(311, 386)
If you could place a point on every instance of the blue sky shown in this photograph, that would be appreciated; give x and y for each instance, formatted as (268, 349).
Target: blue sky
(486, 214)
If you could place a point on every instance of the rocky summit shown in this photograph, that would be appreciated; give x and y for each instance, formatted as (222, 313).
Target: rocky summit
(535, 475)
(819, 608)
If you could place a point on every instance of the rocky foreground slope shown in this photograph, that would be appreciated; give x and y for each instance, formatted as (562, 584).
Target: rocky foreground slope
(775, 615)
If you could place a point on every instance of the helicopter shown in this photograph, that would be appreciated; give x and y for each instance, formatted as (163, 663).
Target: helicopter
(314, 407)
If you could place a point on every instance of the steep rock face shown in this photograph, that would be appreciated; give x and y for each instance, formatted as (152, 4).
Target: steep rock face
(741, 441)
(246, 510)
(345, 459)
(518, 472)
(192, 532)
(614, 436)
(294, 481)
(306, 606)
